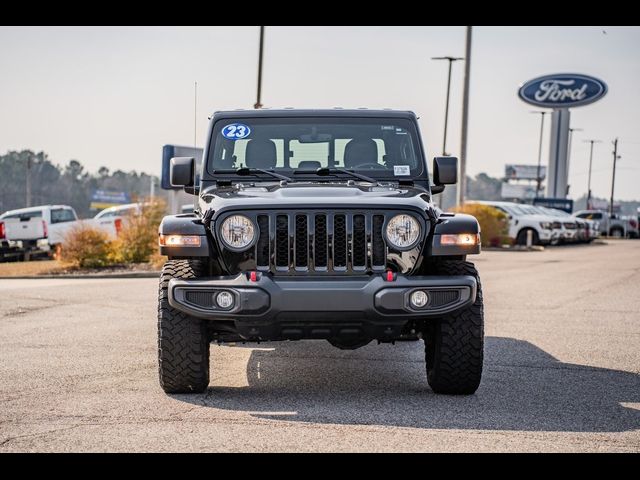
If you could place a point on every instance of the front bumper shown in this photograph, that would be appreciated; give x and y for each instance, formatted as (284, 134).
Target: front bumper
(270, 301)
(547, 236)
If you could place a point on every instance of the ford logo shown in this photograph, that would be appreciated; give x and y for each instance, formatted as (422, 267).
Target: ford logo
(562, 90)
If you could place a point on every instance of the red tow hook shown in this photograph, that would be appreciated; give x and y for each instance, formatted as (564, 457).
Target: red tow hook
(253, 276)
(390, 276)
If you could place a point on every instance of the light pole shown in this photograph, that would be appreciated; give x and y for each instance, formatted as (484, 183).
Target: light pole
(28, 179)
(446, 108)
(589, 179)
(258, 104)
(571, 130)
(542, 113)
(613, 177)
(462, 187)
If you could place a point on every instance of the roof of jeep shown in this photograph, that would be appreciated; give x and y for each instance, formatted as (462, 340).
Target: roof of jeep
(329, 112)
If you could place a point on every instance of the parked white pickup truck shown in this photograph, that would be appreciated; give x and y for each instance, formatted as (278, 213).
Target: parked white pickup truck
(611, 225)
(112, 219)
(34, 230)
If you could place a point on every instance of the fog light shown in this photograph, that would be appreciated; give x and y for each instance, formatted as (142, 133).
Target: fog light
(419, 299)
(224, 300)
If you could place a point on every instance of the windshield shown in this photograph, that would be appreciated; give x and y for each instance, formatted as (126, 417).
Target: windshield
(27, 214)
(377, 147)
(531, 210)
(515, 210)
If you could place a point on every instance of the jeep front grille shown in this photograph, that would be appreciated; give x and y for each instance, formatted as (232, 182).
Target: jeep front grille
(333, 242)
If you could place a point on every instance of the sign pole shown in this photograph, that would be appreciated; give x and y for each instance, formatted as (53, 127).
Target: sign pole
(557, 171)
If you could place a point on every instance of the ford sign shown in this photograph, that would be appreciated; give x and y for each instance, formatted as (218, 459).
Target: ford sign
(562, 90)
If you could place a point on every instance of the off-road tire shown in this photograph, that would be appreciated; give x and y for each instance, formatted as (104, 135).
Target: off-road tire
(454, 344)
(183, 342)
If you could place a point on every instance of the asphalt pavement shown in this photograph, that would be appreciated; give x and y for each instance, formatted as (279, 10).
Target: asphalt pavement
(78, 371)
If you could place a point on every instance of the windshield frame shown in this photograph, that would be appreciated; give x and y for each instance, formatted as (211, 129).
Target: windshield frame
(210, 173)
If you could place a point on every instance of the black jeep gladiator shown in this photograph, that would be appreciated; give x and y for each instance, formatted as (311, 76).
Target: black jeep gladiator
(318, 224)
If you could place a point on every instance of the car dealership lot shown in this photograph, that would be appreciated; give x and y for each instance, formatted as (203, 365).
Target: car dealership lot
(78, 371)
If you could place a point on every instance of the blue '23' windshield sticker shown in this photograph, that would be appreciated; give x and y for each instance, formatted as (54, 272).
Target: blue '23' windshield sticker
(236, 131)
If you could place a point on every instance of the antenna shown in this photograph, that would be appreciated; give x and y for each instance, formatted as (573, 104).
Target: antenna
(195, 142)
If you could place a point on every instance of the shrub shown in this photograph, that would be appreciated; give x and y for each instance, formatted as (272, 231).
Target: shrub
(494, 224)
(138, 239)
(86, 247)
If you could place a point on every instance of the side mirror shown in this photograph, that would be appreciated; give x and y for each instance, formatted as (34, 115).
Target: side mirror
(181, 171)
(445, 171)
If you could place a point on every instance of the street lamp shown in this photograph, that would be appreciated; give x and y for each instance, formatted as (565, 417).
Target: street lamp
(446, 109)
(616, 157)
(571, 130)
(542, 113)
(590, 163)
(258, 104)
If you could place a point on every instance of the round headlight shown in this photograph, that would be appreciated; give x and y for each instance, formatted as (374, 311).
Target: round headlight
(403, 231)
(237, 232)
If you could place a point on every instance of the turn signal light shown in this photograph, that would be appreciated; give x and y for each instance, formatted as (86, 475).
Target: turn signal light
(462, 239)
(179, 240)
(2, 234)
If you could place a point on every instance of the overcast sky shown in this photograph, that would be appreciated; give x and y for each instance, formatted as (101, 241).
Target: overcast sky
(114, 95)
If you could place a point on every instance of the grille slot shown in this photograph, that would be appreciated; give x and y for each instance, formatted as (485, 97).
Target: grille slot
(262, 254)
(282, 241)
(301, 241)
(377, 242)
(359, 242)
(339, 242)
(321, 244)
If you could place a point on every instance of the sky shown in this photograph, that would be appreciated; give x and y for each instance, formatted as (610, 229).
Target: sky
(113, 96)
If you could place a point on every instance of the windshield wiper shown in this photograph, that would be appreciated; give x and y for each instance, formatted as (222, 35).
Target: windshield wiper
(323, 171)
(252, 171)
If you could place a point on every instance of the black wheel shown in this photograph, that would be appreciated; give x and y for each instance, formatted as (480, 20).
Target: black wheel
(521, 239)
(454, 344)
(616, 233)
(183, 342)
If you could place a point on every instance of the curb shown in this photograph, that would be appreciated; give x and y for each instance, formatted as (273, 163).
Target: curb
(533, 248)
(77, 276)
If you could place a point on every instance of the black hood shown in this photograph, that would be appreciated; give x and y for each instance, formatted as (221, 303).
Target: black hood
(302, 195)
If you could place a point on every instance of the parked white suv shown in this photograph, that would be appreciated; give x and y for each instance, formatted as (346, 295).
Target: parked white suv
(587, 230)
(523, 220)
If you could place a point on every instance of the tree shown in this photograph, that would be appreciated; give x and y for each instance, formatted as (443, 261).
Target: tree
(68, 185)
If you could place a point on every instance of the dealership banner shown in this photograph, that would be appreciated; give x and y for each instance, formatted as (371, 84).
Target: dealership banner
(104, 199)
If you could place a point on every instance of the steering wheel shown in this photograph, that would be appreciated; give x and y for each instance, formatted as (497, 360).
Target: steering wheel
(370, 165)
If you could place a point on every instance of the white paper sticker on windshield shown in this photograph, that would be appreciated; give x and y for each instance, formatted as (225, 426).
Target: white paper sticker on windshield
(401, 170)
